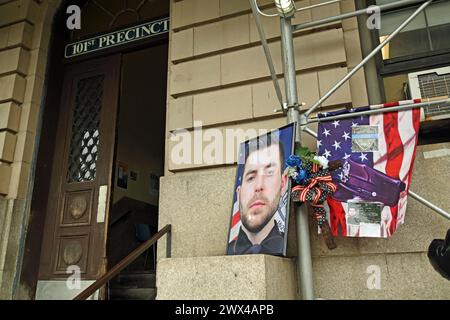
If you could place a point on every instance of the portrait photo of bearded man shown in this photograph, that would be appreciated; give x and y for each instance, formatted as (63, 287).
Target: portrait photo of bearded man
(261, 199)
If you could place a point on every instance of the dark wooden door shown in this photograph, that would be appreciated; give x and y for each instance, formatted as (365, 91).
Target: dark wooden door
(78, 208)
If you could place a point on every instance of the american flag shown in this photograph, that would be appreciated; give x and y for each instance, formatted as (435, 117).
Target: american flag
(235, 222)
(397, 134)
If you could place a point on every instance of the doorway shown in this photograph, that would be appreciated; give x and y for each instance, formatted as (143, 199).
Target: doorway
(139, 156)
(104, 182)
(87, 122)
(139, 163)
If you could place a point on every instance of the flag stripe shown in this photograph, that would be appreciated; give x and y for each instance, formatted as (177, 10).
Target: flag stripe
(235, 231)
(235, 222)
(394, 144)
(408, 138)
(416, 125)
(379, 163)
(236, 218)
(379, 158)
(394, 158)
(408, 135)
(411, 121)
(337, 217)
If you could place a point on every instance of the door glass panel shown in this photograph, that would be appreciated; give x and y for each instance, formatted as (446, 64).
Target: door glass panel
(84, 143)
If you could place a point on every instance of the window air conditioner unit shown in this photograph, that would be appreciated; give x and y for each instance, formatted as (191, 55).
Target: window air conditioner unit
(431, 84)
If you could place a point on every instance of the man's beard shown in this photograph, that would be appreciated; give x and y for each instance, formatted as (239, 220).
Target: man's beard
(273, 207)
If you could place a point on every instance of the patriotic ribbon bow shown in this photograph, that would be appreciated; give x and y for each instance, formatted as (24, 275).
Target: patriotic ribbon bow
(315, 189)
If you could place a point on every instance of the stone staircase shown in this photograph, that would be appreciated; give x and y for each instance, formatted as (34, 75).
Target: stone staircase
(133, 286)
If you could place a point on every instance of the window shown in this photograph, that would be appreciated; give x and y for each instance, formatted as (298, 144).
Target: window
(426, 34)
(421, 48)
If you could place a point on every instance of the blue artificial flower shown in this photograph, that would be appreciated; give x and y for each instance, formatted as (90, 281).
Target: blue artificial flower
(294, 161)
(302, 175)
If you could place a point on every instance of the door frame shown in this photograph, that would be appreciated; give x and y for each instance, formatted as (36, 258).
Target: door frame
(45, 146)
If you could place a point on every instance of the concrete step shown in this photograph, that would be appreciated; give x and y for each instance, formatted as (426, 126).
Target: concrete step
(133, 294)
(135, 280)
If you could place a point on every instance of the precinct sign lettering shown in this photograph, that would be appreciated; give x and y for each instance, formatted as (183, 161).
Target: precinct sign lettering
(117, 38)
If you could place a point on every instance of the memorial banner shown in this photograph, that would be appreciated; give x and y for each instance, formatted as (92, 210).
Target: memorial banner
(377, 152)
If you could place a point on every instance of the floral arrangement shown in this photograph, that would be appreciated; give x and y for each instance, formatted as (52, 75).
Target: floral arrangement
(313, 184)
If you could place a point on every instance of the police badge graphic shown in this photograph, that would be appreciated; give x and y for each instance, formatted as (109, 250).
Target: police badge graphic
(365, 139)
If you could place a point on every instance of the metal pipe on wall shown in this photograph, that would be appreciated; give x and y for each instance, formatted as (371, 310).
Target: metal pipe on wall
(374, 84)
(429, 204)
(266, 49)
(304, 260)
(443, 102)
(318, 5)
(304, 265)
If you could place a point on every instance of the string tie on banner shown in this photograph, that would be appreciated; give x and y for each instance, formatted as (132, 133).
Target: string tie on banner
(313, 184)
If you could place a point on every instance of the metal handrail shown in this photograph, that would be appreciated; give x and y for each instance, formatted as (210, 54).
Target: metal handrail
(125, 262)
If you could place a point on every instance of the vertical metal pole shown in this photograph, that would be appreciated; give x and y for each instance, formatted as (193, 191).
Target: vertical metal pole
(375, 90)
(304, 262)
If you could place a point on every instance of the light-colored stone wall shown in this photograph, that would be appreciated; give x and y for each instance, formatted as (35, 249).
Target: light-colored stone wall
(218, 73)
(25, 27)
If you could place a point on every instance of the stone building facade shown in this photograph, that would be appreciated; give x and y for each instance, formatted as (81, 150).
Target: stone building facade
(217, 75)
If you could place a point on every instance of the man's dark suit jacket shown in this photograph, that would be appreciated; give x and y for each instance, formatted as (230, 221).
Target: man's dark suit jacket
(272, 244)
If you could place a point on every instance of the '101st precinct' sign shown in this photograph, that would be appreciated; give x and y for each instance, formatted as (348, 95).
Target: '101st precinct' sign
(116, 38)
